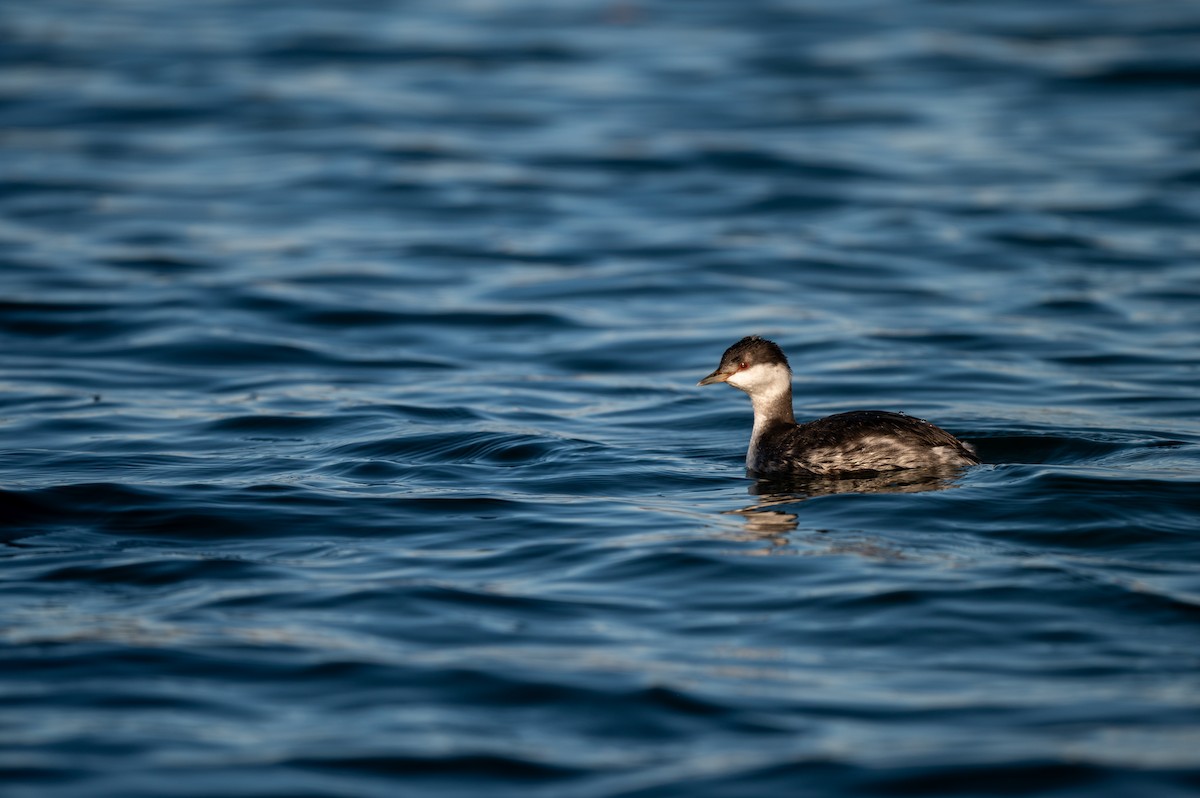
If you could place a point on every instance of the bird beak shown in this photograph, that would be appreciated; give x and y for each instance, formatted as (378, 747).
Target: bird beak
(716, 376)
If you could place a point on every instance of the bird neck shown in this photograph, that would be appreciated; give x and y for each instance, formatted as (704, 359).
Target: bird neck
(772, 407)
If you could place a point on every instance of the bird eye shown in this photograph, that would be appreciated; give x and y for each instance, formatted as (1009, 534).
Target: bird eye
(742, 365)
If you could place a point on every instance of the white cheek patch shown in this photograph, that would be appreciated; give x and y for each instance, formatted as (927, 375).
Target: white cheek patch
(761, 377)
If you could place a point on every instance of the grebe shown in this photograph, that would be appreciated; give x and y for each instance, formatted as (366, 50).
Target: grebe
(859, 441)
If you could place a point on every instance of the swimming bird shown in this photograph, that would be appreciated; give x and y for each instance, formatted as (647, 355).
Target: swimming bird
(855, 442)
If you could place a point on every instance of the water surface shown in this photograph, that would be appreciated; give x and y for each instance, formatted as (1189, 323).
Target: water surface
(350, 437)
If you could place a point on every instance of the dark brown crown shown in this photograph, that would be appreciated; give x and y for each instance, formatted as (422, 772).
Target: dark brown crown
(753, 350)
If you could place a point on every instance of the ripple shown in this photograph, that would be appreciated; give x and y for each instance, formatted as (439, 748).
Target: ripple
(342, 48)
(1048, 449)
(495, 448)
(484, 767)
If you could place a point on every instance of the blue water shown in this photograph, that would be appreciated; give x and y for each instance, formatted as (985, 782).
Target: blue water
(349, 436)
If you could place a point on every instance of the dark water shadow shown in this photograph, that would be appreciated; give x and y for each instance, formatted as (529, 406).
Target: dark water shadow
(1069, 447)
(773, 515)
(915, 480)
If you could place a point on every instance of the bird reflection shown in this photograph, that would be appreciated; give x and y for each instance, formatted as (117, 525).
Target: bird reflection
(768, 520)
(793, 488)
